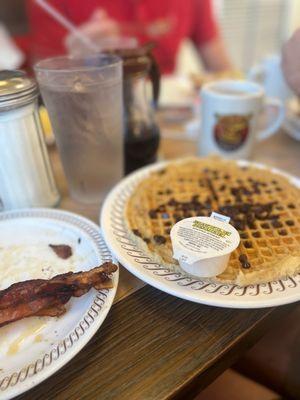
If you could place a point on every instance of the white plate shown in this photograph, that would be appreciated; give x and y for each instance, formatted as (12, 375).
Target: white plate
(33, 349)
(180, 284)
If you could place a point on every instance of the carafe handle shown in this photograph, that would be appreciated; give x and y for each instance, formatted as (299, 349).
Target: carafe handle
(154, 75)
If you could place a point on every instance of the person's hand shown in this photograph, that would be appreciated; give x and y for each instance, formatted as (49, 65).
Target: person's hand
(291, 61)
(99, 29)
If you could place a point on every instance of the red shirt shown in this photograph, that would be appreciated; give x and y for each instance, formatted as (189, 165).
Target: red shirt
(167, 22)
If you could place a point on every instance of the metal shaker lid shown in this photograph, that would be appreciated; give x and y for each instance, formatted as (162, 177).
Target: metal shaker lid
(16, 89)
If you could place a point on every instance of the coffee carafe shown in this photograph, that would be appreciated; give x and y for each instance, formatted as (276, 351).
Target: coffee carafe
(142, 134)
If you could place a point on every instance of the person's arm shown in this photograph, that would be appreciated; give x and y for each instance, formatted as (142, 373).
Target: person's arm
(214, 56)
(291, 61)
(205, 34)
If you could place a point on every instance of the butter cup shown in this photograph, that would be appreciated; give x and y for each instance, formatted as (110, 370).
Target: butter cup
(202, 245)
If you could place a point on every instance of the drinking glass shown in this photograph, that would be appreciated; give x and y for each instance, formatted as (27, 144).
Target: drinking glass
(83, 97)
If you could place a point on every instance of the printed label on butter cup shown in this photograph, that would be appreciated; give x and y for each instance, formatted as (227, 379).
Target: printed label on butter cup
(199, 238)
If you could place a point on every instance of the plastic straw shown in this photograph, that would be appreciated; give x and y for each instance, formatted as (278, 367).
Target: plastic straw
(66, 23)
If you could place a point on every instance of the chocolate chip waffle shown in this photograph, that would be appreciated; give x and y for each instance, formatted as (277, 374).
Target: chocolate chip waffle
(263, 207)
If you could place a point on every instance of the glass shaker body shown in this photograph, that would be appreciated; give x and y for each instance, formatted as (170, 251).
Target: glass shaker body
(26, 178)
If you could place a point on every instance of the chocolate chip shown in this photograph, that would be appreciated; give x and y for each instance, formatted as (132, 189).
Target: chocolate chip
(229, 210)
(276, 223)
(291, 205)
(167, 223)
(152, 214)
(243, 235)
(160, 192)
(239, 224)
(146, 240)
(226, 176)
(245, 191)
(235, 191)
(248, 244)
(282, 232)
(290, 222)
(161, 172)
(169, 191)
(275, 216)
(161, 208)
(264, 184)
(278, 189)
(256, 234)
(172, 202)
(265, 225)
(269, 206)
(63, 251)
(222, 188)
(244, 261)
(165, 216)
(212, 189)
(274, 182)
(195, 199)
(250, 219)
(185, 206)
(279, 208)
(245, 208)
(197, 207)
(159, 239)
(137, 232)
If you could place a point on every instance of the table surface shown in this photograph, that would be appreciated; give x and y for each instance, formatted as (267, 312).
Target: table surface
(153, 345)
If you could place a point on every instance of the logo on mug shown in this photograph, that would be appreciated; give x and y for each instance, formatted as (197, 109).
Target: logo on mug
(231, 131)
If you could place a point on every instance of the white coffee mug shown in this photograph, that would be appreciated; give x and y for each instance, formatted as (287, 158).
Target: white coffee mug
(229, 118)
(269, 74)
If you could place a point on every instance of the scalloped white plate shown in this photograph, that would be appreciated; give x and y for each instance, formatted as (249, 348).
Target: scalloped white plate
(33, 349)
(182, 285)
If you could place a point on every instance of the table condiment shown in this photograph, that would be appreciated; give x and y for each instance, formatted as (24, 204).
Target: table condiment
(26, 178)
(202, 245)
(142, 134)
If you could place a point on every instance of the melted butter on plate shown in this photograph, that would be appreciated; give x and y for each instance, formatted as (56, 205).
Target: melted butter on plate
(21, 334)
(31, 331)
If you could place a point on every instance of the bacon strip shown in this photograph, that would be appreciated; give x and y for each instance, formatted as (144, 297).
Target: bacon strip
(47, 297)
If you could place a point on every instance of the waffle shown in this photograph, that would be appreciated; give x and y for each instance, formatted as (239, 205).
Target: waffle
(263, 206)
